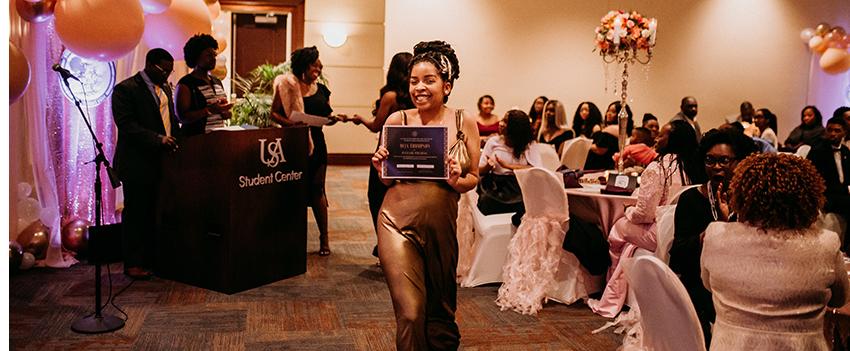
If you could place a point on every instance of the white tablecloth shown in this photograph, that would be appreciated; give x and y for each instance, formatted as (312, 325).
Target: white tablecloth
(590, 205)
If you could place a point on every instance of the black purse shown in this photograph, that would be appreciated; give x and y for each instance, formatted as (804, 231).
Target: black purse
(502, 189)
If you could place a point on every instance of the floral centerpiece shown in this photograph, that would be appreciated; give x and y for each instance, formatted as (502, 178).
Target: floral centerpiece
(622, 37)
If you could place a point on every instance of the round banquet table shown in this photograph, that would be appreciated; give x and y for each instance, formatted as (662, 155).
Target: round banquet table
(588, 203)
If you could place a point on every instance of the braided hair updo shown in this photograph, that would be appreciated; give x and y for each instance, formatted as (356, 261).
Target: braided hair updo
(441, 55)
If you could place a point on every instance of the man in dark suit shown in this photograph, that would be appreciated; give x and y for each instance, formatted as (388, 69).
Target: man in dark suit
(832, 159)
(147, 127)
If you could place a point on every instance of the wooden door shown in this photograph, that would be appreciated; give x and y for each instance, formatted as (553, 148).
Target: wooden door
(258, 39)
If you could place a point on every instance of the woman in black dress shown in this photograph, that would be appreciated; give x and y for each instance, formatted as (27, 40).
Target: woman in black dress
(394, 97)
(697, 207)
(605, 142)
(587, 119)
(300, 91)
(554, 130)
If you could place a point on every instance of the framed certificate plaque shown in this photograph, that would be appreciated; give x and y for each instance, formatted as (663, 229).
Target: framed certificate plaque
(415, 152)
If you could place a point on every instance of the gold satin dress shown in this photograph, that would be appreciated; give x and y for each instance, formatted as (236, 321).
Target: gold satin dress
(417, 245)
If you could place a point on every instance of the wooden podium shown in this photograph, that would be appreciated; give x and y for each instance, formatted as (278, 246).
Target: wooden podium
(233, 213)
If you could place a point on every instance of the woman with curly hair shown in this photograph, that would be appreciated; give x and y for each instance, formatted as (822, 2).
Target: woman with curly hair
(773, 273)
(201, 101)
(299, 90)
(417, 226)
(674, 167)
(720, 151)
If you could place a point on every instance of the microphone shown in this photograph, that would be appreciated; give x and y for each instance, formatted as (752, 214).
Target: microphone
(64, 72)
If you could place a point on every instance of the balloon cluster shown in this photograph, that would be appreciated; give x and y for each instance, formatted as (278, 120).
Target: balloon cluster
(33, 240)
(832, 44)
(107, 30)
(31, 243)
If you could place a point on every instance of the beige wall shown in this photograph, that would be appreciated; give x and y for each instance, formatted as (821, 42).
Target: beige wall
(721, 51)
(354, 70)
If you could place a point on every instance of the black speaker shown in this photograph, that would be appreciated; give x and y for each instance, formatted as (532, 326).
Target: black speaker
(105, 244)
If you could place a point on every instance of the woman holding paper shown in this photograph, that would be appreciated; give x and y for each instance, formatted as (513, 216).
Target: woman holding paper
(417, 223)
(200, 101)
(394, 97)
(300, 91)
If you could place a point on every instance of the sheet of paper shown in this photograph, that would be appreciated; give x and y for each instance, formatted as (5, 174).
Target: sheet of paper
(310, 120)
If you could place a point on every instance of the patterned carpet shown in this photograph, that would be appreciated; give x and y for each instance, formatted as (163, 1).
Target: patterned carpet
(341, 303)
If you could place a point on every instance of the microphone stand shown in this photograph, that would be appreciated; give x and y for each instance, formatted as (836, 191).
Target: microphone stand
(99, 322)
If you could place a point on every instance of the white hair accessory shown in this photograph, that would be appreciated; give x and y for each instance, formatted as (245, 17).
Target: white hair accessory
(447, 66)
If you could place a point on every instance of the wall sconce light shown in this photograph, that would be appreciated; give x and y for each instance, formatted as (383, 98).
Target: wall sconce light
(334, 35)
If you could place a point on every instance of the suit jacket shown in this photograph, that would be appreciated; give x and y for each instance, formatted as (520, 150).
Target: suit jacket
(139, 149)
(681, 116)
(824, 160)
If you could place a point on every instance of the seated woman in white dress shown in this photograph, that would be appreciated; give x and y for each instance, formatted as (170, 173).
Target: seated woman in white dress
(498, 188)
(773, 273)
(674, 167)
(766, 122)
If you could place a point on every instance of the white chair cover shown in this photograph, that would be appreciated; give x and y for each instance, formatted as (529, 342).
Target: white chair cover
(668, 319)
(488, 249)
(538, 268)
(465, 232)
(548, 155)
(665, 229)
(575, 152)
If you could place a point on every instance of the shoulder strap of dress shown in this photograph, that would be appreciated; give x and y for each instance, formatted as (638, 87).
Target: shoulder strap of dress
(459, 123)
(403, 118)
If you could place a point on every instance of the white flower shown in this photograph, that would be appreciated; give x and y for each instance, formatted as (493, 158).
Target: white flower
(644, 33)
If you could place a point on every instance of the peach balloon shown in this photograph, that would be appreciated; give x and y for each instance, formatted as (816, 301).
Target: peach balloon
(35, 11)
(155, 6)
(103, 30)
(835, 61)
(171, 29)
(222, 44)
(215, 10)
(19, 73)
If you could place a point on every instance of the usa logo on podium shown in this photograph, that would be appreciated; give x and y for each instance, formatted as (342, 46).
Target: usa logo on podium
(274, 151)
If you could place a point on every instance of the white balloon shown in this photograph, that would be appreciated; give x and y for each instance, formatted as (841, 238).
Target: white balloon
(27, 261)
(24, 190)
(29, 210)
(155, 6)
(807, 34)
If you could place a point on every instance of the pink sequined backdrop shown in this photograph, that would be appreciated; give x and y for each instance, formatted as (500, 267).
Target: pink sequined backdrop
(71, 145)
